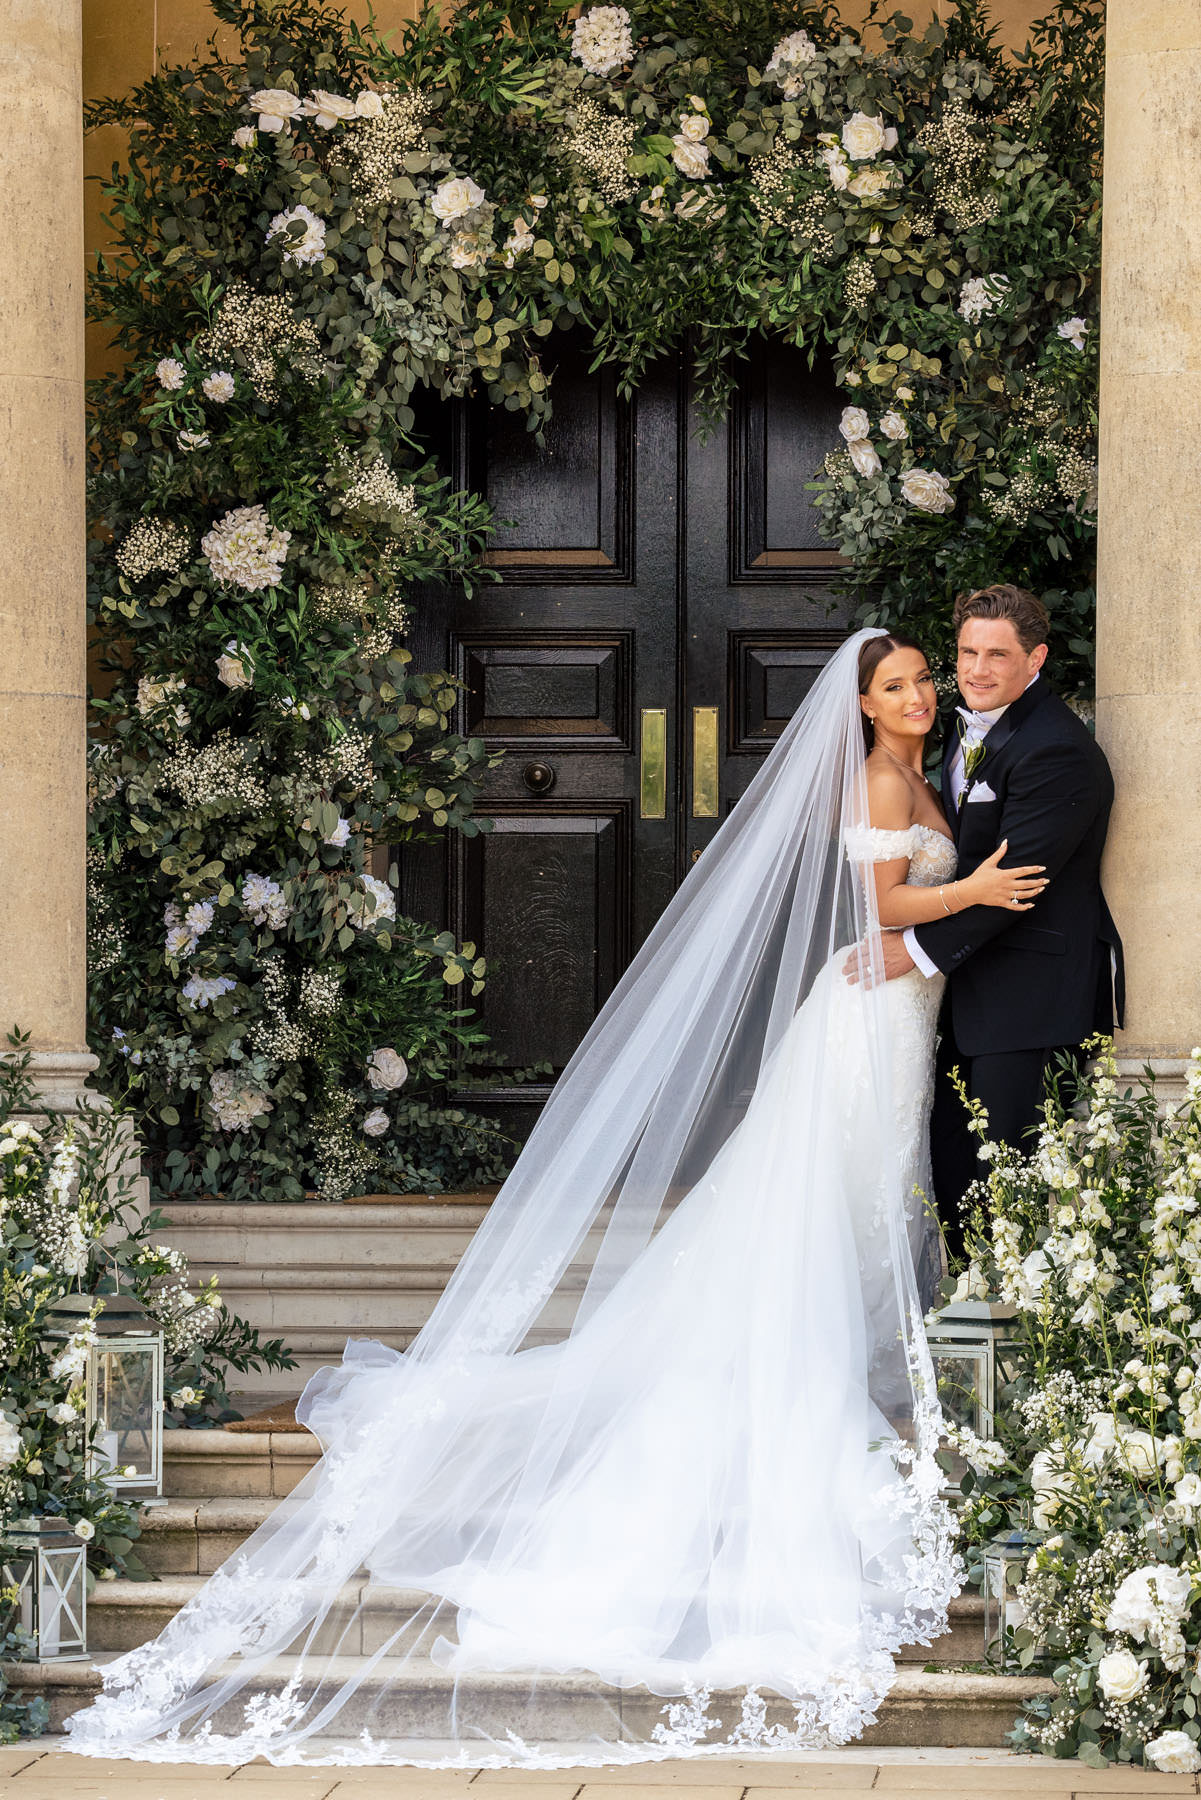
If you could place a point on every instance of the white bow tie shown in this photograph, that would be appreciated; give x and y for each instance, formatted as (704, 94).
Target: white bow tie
(981, 720)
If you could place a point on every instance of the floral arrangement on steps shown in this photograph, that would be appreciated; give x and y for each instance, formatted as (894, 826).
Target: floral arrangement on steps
(70, 1223)
(1095, 1239)
(313, 224)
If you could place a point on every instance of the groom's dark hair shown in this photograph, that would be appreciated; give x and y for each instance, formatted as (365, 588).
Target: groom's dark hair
(1025, 611)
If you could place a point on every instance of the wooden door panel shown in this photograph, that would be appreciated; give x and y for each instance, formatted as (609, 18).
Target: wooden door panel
(769, 675)
(558, 690)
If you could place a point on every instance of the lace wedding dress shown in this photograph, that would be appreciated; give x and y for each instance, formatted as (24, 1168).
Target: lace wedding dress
(657, 1478)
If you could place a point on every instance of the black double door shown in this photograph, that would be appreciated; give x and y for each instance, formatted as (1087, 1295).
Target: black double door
(663, 607)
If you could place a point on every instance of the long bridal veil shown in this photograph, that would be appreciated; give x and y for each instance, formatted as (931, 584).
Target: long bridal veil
(657, 1477)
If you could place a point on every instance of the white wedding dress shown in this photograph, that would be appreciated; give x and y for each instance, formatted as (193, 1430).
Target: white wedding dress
(708, 1516)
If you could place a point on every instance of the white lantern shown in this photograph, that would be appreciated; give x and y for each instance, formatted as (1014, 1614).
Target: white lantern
(1005, 1561)
(968, 1341)
(124, 1391)
(46, 1564)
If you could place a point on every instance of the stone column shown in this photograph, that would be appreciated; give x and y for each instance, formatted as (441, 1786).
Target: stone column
(42, 631)
(1149, 592)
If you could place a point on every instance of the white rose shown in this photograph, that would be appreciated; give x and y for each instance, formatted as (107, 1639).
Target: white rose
(326, 109)
(893, 426)
(10, 1442)
(275, 107)
(1102, 1440)
(376, 1122)
(695, 127)
(184, 1396)
(690, 159)
(1075, 331)
(454, 197)
(1140, 1453)
(1174, 1753)
(234, 667)
(245, 137)
(864, 136)
(864, 456)
(340, 834)
(84, 1530)
(35, 1466)
(904, 393)
(171, 373)
(62, 1414)
(854, 423)
(387, 1069)
(368, 104)
(1122, 1676)
(869, 184)
(218, 386)
(1188, 1490)
(927, 490)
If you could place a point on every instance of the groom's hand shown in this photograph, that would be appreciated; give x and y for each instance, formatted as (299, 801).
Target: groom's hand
(884, 954)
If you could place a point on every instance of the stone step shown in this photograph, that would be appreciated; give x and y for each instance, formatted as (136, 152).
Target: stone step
(123, 1614)
(953, 1708)
(215, 1464)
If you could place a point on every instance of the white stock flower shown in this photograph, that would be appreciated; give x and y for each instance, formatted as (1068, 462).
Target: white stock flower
(864, 136)
(854, 423)
(275, 107)
(1051, 1483)
(368, 104)
(602, 39)
(1187, 1491)
(387, 1069)
(245, 137)
(1122, 1676)
(454, 197)
(327, 110)
(1074, 330)
(893, 426)
(234, 666)
(981, 294)
(690, 159)
(171, 373)
(1173, 1753)
(263, 899)
(695, 127)
(310, 246)
(218, 386)
(63, 1413)
(865, 456)
(10, 1442)
(927, 490)
(836, 165)
(84, 1530)
(376, 1122)
(788, 59)
(245, 548)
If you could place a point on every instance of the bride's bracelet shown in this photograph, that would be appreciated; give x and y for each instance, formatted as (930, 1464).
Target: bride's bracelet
(943, 897)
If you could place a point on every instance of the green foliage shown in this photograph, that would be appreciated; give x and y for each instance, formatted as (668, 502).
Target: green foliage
(420, 211)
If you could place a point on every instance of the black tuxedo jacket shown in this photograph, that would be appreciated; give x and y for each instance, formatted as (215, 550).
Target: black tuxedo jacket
(1042, 978)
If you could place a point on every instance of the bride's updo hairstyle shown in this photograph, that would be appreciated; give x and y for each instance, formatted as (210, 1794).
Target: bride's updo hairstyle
(870, 657)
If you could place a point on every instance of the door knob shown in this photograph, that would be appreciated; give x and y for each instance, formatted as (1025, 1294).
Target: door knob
(539, 777)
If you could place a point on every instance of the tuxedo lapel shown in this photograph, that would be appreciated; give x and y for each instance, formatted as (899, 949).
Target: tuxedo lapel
(948, 756)
(1010, 721)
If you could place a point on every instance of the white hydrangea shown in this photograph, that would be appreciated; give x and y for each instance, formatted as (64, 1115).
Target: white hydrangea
(1149, 1605)
(10, 1442)
(982, 294)
(310, 246)
(171, 373)
(787, 61)
(602, 39)
(201, 990)
(264, 900)
(235, 1104)
(218, 386)
(245, 549)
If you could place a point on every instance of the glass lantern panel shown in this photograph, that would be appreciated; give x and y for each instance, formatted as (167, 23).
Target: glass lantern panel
(61, 1601)
(126, 1413)
(961, 1374)
(17, 1573)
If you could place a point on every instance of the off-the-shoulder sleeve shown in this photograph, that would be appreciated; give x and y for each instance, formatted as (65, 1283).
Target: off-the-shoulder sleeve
(868, 844)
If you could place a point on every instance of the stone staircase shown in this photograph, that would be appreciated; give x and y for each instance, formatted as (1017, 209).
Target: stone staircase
(222, 1484)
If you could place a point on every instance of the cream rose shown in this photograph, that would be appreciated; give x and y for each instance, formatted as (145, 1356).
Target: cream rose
(376, 1122)
(368, 104)
(854, 423)
(387, 1069)
(690, 159)
(1122, 1676)
(927, 490)
(865, 456)
(454, 197)
(1174, 1753)
(695, 127)
(1140, 1453)
(245, 137)
(327, 110)
(893, 426)
(864, 136)
(276, 107)
(869, 184)
(234, 667)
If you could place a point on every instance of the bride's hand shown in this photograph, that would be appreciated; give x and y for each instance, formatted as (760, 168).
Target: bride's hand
(990, 885)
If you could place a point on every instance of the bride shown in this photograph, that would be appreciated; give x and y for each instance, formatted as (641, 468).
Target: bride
(657, 1477)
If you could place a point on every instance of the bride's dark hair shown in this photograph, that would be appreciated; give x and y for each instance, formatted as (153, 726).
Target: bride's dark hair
(870, 657)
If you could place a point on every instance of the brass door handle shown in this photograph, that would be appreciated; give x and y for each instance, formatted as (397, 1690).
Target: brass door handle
(652, 771)
(705, 763)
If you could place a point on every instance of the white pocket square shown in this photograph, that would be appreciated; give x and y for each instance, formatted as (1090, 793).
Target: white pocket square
(981, 791)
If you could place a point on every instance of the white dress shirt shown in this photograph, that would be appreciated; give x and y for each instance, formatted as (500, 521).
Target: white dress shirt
(981, 723)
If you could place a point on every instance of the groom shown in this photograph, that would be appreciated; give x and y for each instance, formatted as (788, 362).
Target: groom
(1019, 767)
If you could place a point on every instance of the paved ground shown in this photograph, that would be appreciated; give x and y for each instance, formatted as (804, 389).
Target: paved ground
(38, 1772)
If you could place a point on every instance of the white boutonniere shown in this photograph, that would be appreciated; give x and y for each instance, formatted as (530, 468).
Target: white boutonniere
(971, 745)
